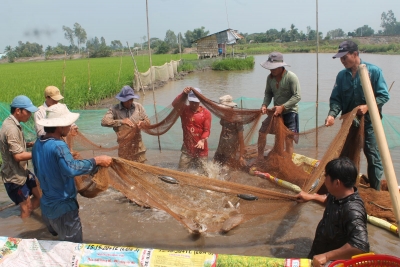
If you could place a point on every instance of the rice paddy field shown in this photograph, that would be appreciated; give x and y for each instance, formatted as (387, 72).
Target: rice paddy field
(87, 81)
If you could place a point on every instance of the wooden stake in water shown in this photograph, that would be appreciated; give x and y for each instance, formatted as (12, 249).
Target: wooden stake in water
(136, 69)
(120, 65)
(151, 66)
(63, 76)
(89, 71)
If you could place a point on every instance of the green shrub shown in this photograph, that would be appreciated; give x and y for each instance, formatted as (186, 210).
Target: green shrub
(186, 66)
(234, 64)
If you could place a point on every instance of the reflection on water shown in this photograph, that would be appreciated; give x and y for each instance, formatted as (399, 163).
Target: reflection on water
(111, 219)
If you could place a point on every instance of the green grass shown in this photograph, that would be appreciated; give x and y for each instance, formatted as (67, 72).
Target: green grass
(234, 64)
(31, 78)
(325, 46)
(186, 66)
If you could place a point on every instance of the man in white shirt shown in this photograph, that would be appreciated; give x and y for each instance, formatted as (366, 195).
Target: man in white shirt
(53, 96)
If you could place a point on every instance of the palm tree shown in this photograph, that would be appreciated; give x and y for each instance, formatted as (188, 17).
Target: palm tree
(8, 49)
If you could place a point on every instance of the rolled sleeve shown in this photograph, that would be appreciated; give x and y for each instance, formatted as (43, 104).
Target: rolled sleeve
(207, 124)
(14, 141)
(108, 120)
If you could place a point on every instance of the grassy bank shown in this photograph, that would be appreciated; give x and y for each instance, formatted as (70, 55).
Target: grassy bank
(234, 64)
(310, 47)
(87, 81)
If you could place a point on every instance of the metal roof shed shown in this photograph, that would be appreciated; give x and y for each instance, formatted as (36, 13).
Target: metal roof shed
(214, 44)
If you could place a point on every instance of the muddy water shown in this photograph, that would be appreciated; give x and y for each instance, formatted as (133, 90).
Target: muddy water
(111, 219)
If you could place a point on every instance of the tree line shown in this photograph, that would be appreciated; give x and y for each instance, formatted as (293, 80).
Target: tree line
(172, 43)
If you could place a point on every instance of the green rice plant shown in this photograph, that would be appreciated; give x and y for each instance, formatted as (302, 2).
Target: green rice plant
(87, 81)
(234, 64)
(186, 66)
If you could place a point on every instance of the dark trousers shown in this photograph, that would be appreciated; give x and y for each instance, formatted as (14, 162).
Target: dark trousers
(375, 169)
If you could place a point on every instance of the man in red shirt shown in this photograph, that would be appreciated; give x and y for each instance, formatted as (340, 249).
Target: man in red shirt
(196, 124)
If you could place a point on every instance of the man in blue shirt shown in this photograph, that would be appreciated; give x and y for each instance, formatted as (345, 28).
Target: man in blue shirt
(56, 168)
(348, 94)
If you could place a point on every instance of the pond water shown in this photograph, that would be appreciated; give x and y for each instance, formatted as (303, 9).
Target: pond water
(111, 219)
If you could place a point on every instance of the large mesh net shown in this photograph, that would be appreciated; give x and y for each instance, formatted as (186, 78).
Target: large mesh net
(217, 204)
(157, 73)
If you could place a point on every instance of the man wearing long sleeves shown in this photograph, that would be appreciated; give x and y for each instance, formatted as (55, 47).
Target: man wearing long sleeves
(127, 119)
(56, 169)
(347, 94)
(196, 124)
(284, 87)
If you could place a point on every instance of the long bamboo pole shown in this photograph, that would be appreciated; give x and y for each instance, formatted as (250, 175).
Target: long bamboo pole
(120, 67)
(63, 75)
(136, 70)
(381, 140)
(151, 71)
(88, 64)
(317, 99)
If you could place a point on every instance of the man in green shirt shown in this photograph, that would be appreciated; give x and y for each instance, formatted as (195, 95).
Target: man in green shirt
(284, 87)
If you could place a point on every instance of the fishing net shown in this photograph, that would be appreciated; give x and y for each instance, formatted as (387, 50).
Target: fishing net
(218, 204)
(157, 73)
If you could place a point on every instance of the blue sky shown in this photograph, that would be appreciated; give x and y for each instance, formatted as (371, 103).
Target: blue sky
(125, 20)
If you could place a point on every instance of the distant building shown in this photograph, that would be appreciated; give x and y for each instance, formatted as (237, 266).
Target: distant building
(214, 45)
(2, 55)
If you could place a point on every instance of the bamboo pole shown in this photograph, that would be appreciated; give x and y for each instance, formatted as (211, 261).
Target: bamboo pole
(180, 48)
(390, 88)
(120, 66)
(151, 71)
(88, 64)
(317, 98)
(63, 78)
(136, 70)
(381, 140)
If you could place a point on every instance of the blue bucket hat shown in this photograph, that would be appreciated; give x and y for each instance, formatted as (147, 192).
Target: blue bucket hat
(126, 94)
(192, 97)
(24, 102)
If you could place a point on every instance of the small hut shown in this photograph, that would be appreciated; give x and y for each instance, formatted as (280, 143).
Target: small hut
(214, 45)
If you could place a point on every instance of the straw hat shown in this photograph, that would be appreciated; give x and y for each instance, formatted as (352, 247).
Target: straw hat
(58, 115)
(227, 101)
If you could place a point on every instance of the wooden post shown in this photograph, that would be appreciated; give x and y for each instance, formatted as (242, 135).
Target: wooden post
(63, 76)
(120, 66)
(88, 64)
(381, 140)
(151, 72)
(136, 69)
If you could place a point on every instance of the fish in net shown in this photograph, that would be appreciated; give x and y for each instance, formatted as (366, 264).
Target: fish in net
(204, 204)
